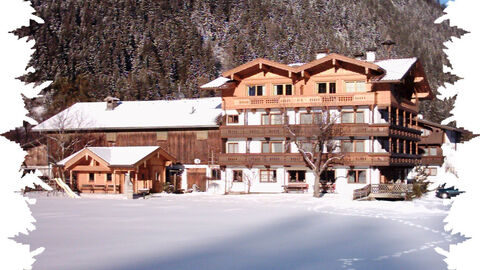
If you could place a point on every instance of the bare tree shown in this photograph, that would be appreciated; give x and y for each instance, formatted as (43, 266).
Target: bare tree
(319, 149)
(248, 177)
(65, 138)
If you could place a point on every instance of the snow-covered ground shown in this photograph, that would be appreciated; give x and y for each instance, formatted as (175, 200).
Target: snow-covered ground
(204, 231)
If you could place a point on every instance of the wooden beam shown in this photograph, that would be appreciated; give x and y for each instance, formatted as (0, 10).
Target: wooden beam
(418, 79)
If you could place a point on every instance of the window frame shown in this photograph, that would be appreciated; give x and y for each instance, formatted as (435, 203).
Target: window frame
(297, 176)
(270, 143)
(237, 172)
(268, 176)
(107, 176)
(256, 90)
(215, 174)
(269, 117)
(314, 115)
(355, 112)
(355, 82)
(233, 143)
(91, 177)
(327, 89)
(354, 146)
(284, 89)
(231, 117)
(356, 177)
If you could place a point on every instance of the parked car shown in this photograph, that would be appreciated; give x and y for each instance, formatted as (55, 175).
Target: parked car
(447, 193)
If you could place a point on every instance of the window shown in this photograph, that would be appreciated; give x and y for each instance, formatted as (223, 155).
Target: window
(162, 135)
(432, 171)
(109, 177)
(353, 146)
(357, 177)
(268, 176)
(283, 89)
(326, 88)
(296, 176)
(308, 147)
(232, 148)
(310, 118)
(350, 117)
(272, 119)
(232, 119)
(255, 90)
(111, 136)
(237, 176)
(357, 86)
(216, 174)
(272, 147)
(91, 177)
(430, 151)
(202, 135)
(328, 175)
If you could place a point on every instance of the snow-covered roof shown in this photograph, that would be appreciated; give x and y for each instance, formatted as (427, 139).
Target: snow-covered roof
(215, 83)
(118, 155)
(183, 113)
(296, 64)
(395, 68)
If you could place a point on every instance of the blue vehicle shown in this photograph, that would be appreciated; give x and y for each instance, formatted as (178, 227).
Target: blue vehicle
(447, 193)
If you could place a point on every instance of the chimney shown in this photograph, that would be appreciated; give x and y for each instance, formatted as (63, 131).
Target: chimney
(322, 53)
(388, 45)
(112, 102)
(371, 54)
(359, 55)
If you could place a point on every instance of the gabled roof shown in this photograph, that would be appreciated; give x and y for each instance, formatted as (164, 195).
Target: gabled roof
(256, 63)
(154, 114)
(444, 127)
(396, 69)
(385, 71)
(342, 58)
(121, 156)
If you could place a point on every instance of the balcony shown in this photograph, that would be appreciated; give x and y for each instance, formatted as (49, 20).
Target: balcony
(343, 130)
(260, 102)
(350, 159)
(432, 160)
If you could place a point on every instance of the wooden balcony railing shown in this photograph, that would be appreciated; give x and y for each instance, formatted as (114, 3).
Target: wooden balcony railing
(344, 130)
(349, 159)
(432, 160)
(344, 99)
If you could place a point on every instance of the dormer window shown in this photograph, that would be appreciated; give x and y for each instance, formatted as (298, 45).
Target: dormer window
(283, 89)
(326, 88)
(255, 90)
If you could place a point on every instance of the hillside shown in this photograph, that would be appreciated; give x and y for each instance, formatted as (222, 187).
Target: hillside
(139, 50)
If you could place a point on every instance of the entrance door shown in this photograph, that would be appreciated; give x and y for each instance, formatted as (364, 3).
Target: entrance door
(198, 177)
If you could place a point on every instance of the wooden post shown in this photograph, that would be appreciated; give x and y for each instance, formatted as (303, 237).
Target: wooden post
(389, 114)
(390, 145)
(416, 148)
(411, 116)
(404, 118)
(71, 180)
(398, 144)
(396, 119)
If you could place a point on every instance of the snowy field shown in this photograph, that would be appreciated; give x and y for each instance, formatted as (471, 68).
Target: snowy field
(202, 231)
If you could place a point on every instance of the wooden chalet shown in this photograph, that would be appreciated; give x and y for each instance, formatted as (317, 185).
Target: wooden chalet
(376, 101)
(434, 138)
(110, 169)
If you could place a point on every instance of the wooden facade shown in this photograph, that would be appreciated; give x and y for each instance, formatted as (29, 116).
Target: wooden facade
(92, 174)
(185, 145)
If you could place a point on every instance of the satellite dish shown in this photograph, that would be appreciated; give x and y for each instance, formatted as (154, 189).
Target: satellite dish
(196, 161)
